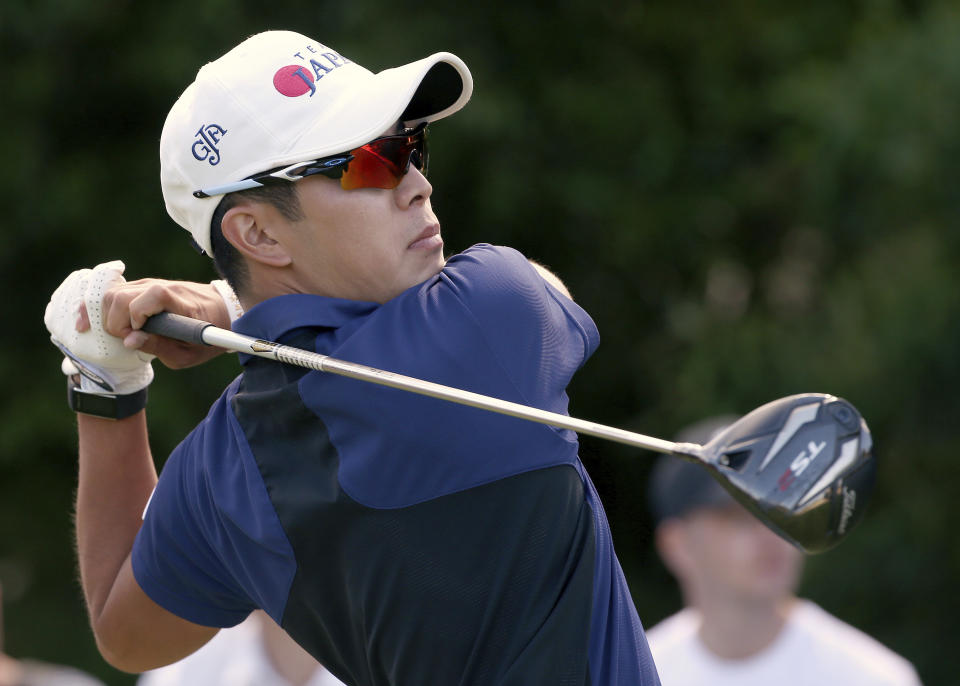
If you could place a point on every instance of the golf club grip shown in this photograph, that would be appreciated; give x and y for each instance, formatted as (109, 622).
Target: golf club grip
(177, 327)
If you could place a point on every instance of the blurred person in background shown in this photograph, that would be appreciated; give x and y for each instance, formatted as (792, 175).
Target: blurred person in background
(14, 672)
(742, 623)
(256, 652)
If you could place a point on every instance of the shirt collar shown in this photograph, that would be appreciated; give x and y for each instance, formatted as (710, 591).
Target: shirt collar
(271, 319)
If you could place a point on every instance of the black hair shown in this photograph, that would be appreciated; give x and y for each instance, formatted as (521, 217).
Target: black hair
(229, 262)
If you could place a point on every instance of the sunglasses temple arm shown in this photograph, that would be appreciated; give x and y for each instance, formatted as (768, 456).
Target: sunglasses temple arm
(244, 185)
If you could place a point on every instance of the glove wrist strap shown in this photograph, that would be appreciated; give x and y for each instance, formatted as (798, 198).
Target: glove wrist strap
(105, 405)
(230, 299)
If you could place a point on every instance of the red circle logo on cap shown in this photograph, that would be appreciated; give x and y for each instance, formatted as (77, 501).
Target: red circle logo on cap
(293, 80)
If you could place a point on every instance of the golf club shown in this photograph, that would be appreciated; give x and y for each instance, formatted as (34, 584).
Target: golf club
(802, 464)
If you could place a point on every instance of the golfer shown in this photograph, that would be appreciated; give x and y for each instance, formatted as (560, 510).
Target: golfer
(399, 539)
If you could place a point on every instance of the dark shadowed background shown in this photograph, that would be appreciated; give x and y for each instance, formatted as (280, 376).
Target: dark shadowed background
(752, 198)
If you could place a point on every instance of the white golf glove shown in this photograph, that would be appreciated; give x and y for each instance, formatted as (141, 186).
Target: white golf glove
(105, 365)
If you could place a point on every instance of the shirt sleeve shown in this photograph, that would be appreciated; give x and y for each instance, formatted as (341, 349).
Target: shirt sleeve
(211, 548)
(489, 324)
(539, 335)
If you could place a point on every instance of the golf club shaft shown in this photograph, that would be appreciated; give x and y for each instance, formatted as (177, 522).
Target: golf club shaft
(197, 331)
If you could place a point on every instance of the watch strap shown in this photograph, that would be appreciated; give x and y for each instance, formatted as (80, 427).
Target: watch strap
(105, 405)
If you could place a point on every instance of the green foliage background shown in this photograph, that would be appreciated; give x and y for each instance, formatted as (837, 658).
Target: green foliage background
(752, 198)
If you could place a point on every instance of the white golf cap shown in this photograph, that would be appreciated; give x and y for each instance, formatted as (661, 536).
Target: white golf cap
(279, 98)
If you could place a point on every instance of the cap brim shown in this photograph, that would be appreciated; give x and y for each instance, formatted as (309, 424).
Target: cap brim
(422, 91)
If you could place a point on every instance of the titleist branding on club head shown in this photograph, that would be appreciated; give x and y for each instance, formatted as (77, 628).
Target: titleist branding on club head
(849, 504)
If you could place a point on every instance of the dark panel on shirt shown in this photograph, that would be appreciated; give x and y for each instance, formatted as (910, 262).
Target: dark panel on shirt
(492, 585)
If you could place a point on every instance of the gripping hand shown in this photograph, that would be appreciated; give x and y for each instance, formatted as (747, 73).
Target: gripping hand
(105, 364)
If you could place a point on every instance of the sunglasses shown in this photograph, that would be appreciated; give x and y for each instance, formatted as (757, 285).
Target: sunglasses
(381, 163)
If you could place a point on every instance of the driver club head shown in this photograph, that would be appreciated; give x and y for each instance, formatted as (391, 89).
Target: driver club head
(803, 465)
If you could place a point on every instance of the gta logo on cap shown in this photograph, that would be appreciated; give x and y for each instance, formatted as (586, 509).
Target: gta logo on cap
(205, 147)
(295, 80)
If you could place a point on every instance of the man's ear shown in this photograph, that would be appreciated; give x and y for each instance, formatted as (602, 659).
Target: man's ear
(252, 228)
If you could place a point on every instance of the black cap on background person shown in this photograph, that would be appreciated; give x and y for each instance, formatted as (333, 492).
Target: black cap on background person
(677, 486)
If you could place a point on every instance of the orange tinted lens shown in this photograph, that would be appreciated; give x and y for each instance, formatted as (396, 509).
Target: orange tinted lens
(383, 162)
(367, 169)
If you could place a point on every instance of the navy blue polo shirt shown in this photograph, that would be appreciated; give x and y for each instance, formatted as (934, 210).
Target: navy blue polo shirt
(402, 539)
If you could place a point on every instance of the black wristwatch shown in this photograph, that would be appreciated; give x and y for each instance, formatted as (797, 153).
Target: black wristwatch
(104, 405)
